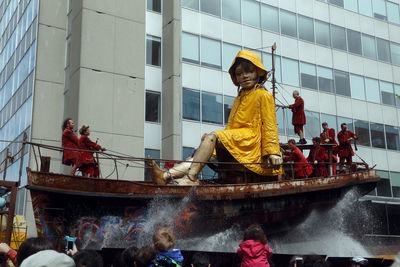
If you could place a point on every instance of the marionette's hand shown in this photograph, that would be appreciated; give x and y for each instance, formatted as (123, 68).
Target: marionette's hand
(315, 161)
(275, 160)
(327, 140)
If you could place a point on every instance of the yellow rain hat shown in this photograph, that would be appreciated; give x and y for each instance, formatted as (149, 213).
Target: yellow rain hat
(253, 58)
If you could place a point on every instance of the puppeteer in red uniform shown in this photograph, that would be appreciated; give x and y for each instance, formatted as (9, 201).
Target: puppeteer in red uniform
(70, 140)
(319, 157)
(328, 136)
(299, 117)
(345, 150)
(300, 170)
(89, 166)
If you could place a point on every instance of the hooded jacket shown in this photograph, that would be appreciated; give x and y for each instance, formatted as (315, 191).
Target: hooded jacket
(254, 253)
(170, 258)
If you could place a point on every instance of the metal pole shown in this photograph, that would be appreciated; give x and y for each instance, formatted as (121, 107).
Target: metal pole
(22, 159)
(273, 48)
(10, 217)
(5, 165)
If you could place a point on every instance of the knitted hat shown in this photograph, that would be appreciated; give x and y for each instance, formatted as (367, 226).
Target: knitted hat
(48, 258)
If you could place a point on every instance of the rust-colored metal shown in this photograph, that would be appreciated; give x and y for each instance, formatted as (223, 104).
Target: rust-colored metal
(5, 165)
(21, 163)
(10, 214)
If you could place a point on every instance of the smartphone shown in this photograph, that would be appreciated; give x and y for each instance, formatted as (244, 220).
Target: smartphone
(70, 245)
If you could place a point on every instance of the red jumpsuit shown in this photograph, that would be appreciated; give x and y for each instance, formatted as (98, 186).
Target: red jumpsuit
(345, 149)
(89, 166)
(299, 117)
(329, 134)
(300, 170)
(319, 154)
(70, 140)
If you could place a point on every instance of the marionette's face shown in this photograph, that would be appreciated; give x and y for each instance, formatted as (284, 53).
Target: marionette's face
(246, 77)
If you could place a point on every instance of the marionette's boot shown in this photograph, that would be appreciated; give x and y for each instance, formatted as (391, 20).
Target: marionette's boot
(159, 176)
(202, 155)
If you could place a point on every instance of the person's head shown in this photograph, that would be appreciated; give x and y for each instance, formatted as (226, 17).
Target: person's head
(343, 126)
(128, 256)
(314, 261)
(48, 258)
(68, 124)
(247, 70)
(88, 258)
(296, 94)
(316, 141)
(291, 143)
(325, 126)
(200, 259)
(84, 130)
(163, 239)
(255, 232)
(144, 256)
(33, 245)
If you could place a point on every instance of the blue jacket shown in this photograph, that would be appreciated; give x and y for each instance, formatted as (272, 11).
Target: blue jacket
(170, 258)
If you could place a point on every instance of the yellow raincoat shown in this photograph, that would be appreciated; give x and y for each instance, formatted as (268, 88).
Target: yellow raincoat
(252, 132)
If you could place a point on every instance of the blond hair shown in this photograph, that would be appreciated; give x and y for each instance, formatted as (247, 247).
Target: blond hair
(163, 239)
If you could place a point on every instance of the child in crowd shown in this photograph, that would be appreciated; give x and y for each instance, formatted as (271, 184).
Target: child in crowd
(254, 249)
(164, 242)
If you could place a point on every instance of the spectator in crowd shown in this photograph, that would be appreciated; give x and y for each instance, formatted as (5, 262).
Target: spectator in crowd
(254, 249)
(200, 259)
(48, 258)
(296, 261)
(144, 256)
(88, 258)
(128, 256)
(32, 246)
(164, 242)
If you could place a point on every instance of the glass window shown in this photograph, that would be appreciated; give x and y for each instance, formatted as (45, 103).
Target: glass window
(154, 5)
(383, 49)
(322, 33)
(288, 23)
(354, 41)
(308, 76)
(393, 12)
(395, 181)
(351, 5)
(387, 94)
(190, 47)
(228, 102)
(281, 121)
(153, 106)
(395, 50)
(325, 79)
(229, 52)
(211, 6)
(269, 18)
(290, 71)
(194, 4)
(397, 94)
(392, 137)
(372, 90)
(338, 37)
(342, 83)
(379, 9)
(153, 50)
(210, 52)
(348, 121)
(361, 128)
(357, 87)
(336, 2)
(383, 186)
(190, 104)
(231, 9)
(187, 152)
(331, 120)
(368, 44)
(377, 135)
(313, 126)
(251, 12)
(155, 154)
(306, 28)
(365, 7)
(211, 108)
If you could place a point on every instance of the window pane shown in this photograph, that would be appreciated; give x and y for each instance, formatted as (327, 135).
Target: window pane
(190, 47)
(395, 50)
(229, 52)
(361, 128)
(228, 102)
(377, 135)
(154, 5)
(325, 80)
(322, 33)
(251, 12)
(313, 126)
(280, 121)
(383, 186)
(348, 121)
(288, 23)
(393, 12)
(365, 7)
(290, 71)
(383, 49)
(153, 50)
(351, 5)
(153, 106)
(231, 9)
(372, 90)
(187, 152)
(306, 28)
(336, 2)
(210, 52)
(191, 4)
(357, 87)
(342, 83)
(379, 9)
(397, 94)
(354, 41)
(211, 6)
(369, 48)
(211, 108)
(267, 59)
(191, 104)
(387, 94)
(338, 37)
(331, 120)
(269, 18)
(308, 76)
(395, 181)
(155, 154)
(392, 137)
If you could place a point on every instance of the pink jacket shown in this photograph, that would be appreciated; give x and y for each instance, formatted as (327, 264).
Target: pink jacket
(254, 253)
